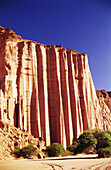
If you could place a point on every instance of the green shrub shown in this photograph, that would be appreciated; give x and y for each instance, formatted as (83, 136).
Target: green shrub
(104, 152)
(73, 148)
(108, 131)
(95, 132)
(67, 153)
(86, 140)
(26, 152)
(55, 149)
(96, 141)
(17, 151)
(103, 139)
(29, 151)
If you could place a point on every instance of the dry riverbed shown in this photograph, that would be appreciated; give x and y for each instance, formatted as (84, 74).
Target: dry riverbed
(79, 162)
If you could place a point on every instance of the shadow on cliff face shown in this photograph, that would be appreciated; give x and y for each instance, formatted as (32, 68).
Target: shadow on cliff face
(33, 113)
(16, 114)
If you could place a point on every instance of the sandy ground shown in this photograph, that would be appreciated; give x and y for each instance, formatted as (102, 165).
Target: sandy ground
(80, 162)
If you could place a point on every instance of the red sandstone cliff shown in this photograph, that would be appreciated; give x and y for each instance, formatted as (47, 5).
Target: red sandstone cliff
(46, 89)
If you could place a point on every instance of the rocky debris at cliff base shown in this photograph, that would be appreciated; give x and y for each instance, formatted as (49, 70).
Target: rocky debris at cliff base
(11, 136)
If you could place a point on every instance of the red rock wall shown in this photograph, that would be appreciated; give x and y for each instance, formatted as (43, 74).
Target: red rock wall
(47, 90)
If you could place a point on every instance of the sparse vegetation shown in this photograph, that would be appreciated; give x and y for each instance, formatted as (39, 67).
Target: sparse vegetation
(104, 152)
(55, 149)
(67, 153)
(17, 151)
(95, 141)
(73, 148)
(86, 142)
(26, 152)
(103, 139)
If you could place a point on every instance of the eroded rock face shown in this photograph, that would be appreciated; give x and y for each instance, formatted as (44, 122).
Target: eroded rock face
(104, 98)
(11, 136)
(46, 89)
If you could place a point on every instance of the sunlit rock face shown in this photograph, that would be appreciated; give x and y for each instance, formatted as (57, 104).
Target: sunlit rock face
(104, 98)
(46, 89)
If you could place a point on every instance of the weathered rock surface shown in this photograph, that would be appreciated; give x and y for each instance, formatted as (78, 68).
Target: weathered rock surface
(104, 98)
(11, 136)
(46, 89)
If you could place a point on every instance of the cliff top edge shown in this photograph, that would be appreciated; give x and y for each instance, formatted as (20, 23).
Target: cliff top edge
(7, 34)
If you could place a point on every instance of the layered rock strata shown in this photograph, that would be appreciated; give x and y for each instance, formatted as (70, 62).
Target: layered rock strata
(46, 89)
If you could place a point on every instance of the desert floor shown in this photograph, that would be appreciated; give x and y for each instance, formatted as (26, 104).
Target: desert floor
(79, 162)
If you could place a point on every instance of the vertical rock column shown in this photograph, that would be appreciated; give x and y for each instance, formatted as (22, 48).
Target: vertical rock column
(54, 95)
(62, 121)
(89, 101)
(34, 111)
(65, 97)
(20, 87)
(11, 64)
(72, 93)
(27, 68)
(24, 113)
(43, 93)
(91, 104)
(77, 96)
(24, 86)
(82, 91)
(75, 111)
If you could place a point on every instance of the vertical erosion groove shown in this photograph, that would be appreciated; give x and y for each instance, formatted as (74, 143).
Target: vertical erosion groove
(76, 85)
(65, 98)
(34, 122)
(43, 50)
(81, 92)
(73, 101)
(17, 116)
(27, 70)
(53, 96)
(87, 91)
(41, 90)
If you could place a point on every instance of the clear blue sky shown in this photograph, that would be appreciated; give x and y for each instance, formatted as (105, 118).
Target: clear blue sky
(82, 25)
